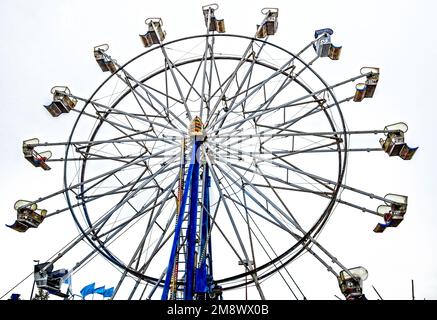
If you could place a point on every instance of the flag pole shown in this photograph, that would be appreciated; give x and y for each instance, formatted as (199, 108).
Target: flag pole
(412, 289)
(377, 292)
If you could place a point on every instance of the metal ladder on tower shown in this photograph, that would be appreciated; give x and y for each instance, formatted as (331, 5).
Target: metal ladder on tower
(180, 258)
(199, 214)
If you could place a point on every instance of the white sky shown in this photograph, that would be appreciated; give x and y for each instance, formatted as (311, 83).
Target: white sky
(44, 43)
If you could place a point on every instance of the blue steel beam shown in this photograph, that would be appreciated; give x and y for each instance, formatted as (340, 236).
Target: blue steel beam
(192, 226)
(202, 274)
(197, 280)
(178, 226)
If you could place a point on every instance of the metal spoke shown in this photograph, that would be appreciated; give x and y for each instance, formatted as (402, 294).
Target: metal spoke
(146, 88)
(204, 60)
(170, 63)
(131, 195)
(149, 102)
(259, 160)
(297, 237)
(259, 193)
(236, 232)
(262, 111)
(328, 181)
(289, 79)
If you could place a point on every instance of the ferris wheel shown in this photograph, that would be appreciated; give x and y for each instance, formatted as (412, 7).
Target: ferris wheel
(208, 152)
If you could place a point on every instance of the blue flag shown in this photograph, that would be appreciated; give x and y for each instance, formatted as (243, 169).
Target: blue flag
(89, 289)
(15, 296)
(108, 292)
(100, 290)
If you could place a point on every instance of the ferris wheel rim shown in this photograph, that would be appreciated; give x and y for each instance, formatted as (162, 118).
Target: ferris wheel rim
(312, 232)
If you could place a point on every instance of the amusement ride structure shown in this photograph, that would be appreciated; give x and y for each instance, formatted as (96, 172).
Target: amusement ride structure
(208, 151)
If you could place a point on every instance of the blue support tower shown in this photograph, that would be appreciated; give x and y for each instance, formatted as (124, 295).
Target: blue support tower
(203, 275)
(197, 280)
(178, 228)
(192, 227)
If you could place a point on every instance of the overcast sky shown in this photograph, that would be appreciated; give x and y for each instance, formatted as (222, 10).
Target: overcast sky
(44, 43)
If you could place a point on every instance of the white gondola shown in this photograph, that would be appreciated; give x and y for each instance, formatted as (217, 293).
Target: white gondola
(155, 34)
(28, 216)
(367, 89)
(52, 281)
(352, 286)
(62, 102)
(35, 158)
(103, 60)
(323, 45)
(393, 212)
(394, 143)
(270, 24)
(215, 24)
